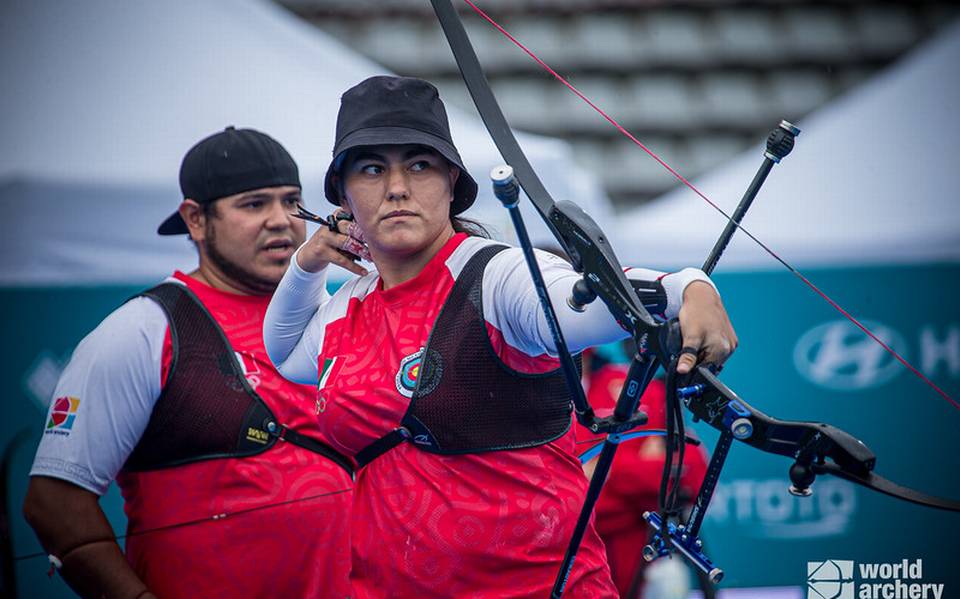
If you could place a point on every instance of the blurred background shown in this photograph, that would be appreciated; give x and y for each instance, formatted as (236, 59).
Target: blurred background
(101, 100)
(696, 81)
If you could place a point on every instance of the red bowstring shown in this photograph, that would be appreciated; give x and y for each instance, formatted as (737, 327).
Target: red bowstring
(683, 180)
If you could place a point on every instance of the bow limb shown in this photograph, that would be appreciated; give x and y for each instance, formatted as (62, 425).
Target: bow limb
(503, 137)
(490, 111)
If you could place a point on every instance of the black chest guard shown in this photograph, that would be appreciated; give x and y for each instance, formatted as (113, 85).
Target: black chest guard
(466, 399)
(207, 409)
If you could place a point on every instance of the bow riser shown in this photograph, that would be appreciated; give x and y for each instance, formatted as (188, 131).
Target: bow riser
(722, 409)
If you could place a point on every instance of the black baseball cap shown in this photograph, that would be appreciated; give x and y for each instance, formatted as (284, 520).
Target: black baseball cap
(386, 110)
(227, 163)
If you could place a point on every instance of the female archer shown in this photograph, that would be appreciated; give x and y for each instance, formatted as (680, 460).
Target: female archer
(437, 373)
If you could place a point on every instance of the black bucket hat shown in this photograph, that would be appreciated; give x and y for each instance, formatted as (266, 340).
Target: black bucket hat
(230, 162)
(386, 110)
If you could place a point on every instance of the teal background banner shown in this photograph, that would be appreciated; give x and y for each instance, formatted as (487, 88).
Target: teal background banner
(798, 360)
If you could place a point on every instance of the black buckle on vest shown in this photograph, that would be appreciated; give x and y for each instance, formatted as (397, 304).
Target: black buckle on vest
(278, 431)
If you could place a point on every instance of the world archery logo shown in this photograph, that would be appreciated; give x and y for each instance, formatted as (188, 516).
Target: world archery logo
(408, 372)
(843, 579)
(830, 579)
(63, 413)
(411, 371)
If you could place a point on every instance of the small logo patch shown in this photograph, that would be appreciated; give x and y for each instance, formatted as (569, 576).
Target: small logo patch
(258, 436)
(63, 413)
(830, 579)
(411, 371)
(249, 367)
(328, 372)
(321, 405)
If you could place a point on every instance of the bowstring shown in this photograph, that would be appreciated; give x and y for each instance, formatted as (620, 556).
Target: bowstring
(203, 520)
(693, 188)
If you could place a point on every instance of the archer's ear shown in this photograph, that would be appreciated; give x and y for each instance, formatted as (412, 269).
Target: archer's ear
(192, 214)
(337, 183)
(454, 176)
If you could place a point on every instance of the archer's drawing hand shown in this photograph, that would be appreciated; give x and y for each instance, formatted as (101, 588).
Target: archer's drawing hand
(705, 327)
(342, 248)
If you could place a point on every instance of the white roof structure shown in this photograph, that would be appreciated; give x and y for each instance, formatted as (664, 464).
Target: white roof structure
(874, 179)
(102, 100)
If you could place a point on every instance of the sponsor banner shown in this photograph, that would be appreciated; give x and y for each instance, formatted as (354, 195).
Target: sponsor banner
(762, 508)
(839, 356)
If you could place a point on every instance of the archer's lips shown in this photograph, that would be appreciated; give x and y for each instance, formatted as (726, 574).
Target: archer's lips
(279, 248)
(399, 214)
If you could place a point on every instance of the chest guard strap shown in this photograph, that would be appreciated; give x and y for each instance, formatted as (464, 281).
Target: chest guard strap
(207, 410)
(466, 399)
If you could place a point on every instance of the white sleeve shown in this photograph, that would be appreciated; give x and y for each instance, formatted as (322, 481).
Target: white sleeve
(292, 329)
(104, 398)
(674, 284)
(511, 303)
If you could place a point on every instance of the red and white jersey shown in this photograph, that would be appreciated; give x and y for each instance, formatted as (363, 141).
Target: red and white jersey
(491, 524)
(286, 507)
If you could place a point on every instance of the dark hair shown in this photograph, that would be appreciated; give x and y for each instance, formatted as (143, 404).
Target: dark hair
(469, 226)
(210, 209)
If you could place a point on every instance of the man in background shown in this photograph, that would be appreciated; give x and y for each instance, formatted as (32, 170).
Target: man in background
(227, 490)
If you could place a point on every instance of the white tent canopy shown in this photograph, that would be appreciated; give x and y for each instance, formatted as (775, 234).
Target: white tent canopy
(102, 100)
(873, 179)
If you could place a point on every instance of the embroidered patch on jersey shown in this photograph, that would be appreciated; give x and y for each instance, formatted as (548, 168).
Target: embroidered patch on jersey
(410, 372)
(329, 371)
(63, 414)
(250, 368)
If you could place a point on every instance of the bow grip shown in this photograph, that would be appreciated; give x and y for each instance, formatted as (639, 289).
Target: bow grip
(671, 339)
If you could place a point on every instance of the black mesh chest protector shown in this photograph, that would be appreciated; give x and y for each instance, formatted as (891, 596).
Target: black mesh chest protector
(466, 399)
(207, 409)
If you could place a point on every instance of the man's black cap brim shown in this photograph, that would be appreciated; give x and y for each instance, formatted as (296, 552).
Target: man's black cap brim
(174, 225)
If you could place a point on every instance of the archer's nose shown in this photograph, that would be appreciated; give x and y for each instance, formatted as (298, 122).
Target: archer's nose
(279, 216)
(397, 185)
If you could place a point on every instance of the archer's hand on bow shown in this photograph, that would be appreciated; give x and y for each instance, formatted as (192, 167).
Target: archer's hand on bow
(708, 336)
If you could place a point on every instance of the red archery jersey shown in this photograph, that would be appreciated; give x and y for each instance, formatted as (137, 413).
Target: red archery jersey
(492, 524)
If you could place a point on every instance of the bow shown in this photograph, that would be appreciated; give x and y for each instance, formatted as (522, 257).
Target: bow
(815, 448)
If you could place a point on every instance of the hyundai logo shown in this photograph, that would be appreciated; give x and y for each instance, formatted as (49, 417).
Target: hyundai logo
(840, 356)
